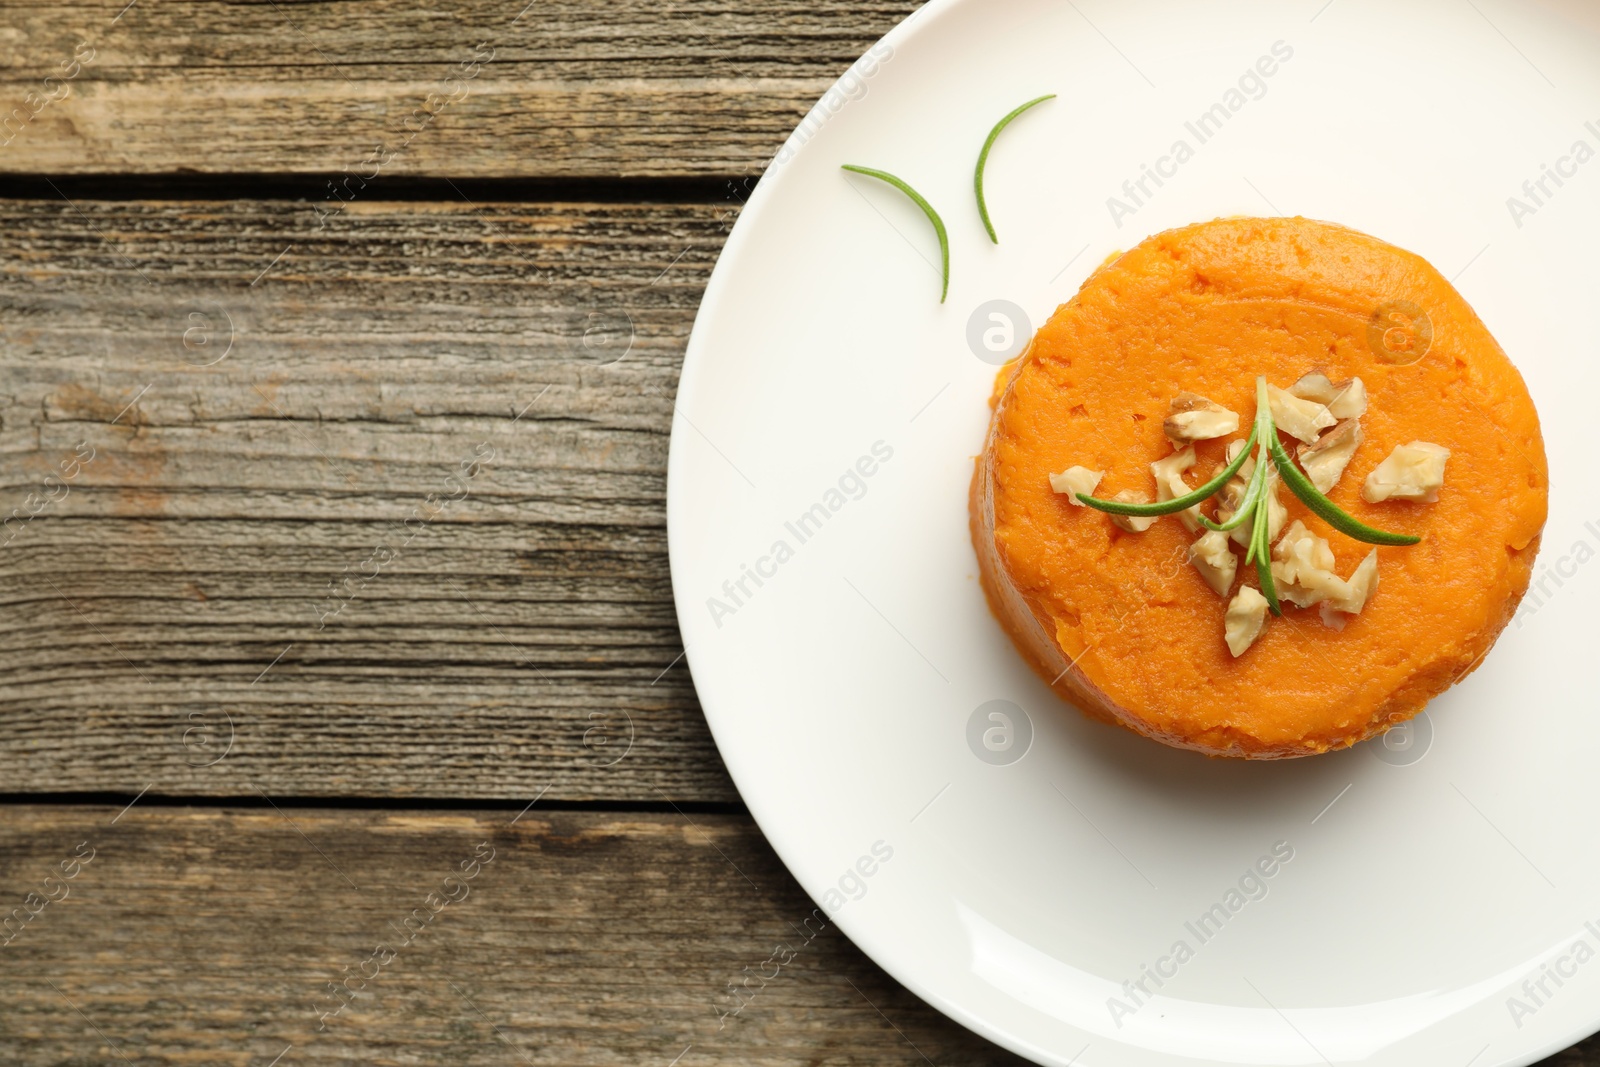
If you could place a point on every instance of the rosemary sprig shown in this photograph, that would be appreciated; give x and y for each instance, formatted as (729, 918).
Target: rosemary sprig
(1253, 507)
(983, 158)
(927, 209)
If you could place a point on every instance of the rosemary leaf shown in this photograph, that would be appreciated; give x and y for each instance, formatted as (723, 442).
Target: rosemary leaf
(927, 209)
(1263, 552)
(1326, 509)
(983, 159)
(1177, 504)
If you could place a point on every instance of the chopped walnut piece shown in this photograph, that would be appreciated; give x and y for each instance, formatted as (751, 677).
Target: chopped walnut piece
(1170, 484)
(1075, 482)
(1215, 561)
(1344, 400)
(1300, 548)
(1194, 418)
(1363, 582)
(1302, 569)
(1233, 492)
(1241, 477)
(1302, 419)
(1133, 523)
(1412, 472)
(1246, 618)
(1326, 460)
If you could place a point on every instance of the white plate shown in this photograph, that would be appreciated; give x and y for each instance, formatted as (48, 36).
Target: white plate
(1434, 871)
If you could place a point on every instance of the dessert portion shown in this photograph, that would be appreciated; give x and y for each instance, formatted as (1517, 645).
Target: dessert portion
(1262, 489)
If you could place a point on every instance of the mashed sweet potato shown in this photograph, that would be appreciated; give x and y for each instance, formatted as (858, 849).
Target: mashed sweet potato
(1120, 623)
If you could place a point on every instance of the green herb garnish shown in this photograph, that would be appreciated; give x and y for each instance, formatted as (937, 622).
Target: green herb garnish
(1261, 548)
(1253, 506)
(1177, 504)
(927, 209)
(983, 158)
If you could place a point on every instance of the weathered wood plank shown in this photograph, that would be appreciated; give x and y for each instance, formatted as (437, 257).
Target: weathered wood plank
(501, 620)
(211, 936)
(559, 88)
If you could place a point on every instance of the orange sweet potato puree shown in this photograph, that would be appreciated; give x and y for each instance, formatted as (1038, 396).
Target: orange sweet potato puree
(1129, 631)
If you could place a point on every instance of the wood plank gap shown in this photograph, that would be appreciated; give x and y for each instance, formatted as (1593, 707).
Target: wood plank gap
(347, 803)
(597, 189)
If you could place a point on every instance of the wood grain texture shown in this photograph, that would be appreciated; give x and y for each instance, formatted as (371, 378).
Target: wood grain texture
(502, 620)
(558, 88)
(273, 392)
(210, 936)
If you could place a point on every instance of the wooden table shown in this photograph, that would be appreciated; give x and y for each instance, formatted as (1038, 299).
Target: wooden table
(343, 696)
